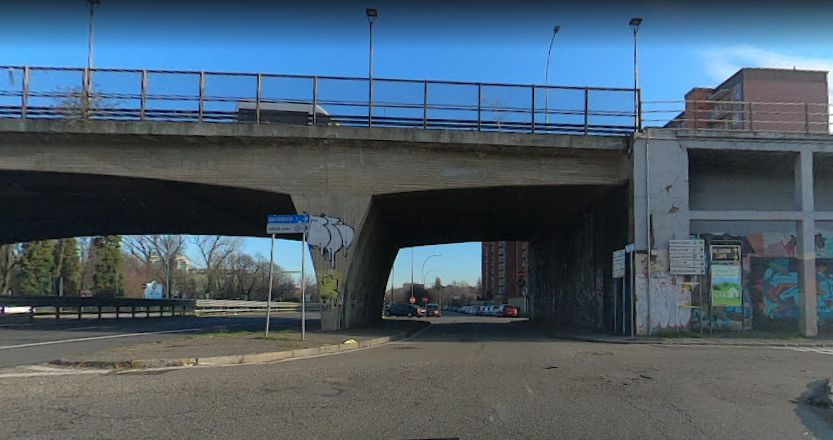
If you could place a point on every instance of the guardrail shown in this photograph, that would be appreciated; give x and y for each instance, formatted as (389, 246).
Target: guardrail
(266, 98)
(215, 306)
(790, 117)
(32, 306)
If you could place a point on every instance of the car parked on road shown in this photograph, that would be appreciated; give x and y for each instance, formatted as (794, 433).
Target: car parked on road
(400, 309)
(506, 311)
(433, 310)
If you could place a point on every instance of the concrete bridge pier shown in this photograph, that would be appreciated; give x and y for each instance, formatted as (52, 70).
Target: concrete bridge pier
(352, 253)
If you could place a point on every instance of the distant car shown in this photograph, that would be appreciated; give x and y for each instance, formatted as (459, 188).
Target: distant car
(506, 311)
(433, 310)
(399, 309)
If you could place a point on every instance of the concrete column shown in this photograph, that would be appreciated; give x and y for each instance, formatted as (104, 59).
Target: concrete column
(808, 318)
(352, 253)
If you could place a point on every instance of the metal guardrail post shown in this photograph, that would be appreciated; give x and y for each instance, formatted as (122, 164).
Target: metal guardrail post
(143, 95)
(639, 109)
(587, 110)
(425, 104)
(86, 97)
(750, 117)
(479, 100)
(201, 102)
(258, 92)
(315, 100)
(806, 117)
(24, 98)
(147, 311)
(532, 122)
(99, 312)
(370, 101)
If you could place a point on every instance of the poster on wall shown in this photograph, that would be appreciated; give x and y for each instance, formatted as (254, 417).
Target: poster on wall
(726, 285)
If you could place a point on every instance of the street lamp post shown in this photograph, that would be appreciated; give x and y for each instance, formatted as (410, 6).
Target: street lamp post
(547, 76)
(371, 17)
(423, 265)
(91, 32)
(634, 24)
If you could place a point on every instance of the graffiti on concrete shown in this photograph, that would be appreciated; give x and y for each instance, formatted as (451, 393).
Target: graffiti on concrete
(824, 288)
(330, 235)
(329, 283)
(773, 285)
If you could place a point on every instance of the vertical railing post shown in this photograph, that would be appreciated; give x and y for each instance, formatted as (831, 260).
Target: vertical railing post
(86, 97)
(258, 93)
(586, 110)
(143, 95)
(202, 96)
(479, 100)
(370, 101)
(315, 100)
(24, 97)
(532, 122)
(750, 117)
(806, 117)
(425, 104)
(639, 120)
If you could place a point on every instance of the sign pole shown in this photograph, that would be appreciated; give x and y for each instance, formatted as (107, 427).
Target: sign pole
(269, 295)
(303, 288)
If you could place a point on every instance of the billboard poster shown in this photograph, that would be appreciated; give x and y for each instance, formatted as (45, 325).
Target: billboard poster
(153, 290)
(726, 285)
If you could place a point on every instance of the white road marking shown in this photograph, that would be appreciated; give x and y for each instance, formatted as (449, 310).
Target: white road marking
(820, 350)
(93, 338)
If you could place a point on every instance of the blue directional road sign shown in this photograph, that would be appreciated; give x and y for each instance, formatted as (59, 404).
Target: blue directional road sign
(287, 224)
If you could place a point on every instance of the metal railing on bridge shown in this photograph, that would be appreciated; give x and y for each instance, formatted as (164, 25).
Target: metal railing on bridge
(265, 98)
(724, 115)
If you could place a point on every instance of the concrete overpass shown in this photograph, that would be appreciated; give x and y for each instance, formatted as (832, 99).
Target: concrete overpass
(392, 187)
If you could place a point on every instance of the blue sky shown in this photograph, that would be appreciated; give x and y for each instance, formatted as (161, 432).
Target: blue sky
(681, 46)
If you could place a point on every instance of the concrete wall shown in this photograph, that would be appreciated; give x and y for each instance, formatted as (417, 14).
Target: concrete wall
(570, 282)
(746, 208)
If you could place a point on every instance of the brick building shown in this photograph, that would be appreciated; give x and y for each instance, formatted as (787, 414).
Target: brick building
(760, 99)
(501, 264)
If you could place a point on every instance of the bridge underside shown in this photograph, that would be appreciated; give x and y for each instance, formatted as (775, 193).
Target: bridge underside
(39, 205)
(571, 229)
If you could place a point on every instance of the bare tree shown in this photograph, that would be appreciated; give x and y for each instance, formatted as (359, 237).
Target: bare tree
(140, 246)
(215, 251)
(168, 248)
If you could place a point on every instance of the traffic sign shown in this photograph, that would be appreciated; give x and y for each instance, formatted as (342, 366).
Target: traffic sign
(412, 300)
(287, 223)
(425, 299)
(687, 257)
(619, 263)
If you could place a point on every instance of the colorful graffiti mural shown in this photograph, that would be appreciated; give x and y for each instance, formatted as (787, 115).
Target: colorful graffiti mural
(824, 288)
(773, 287)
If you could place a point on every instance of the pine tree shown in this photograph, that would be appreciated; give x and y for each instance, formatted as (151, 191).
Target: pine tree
(107, 273)
(67, 268)
(35, 277)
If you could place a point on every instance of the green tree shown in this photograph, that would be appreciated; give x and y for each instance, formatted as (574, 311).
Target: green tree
(9, 259)
(107, 271)
(35, 276)
(67, 268)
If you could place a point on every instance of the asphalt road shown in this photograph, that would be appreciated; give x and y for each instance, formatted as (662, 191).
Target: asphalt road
(465, 377)
(47, 339)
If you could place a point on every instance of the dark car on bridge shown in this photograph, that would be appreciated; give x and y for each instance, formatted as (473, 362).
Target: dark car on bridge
(399, 309)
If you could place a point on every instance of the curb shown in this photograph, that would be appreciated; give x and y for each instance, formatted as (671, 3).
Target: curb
(238, 359)
(699, 342)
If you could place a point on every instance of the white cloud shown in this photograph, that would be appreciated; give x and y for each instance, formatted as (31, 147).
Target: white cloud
(722, 62)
